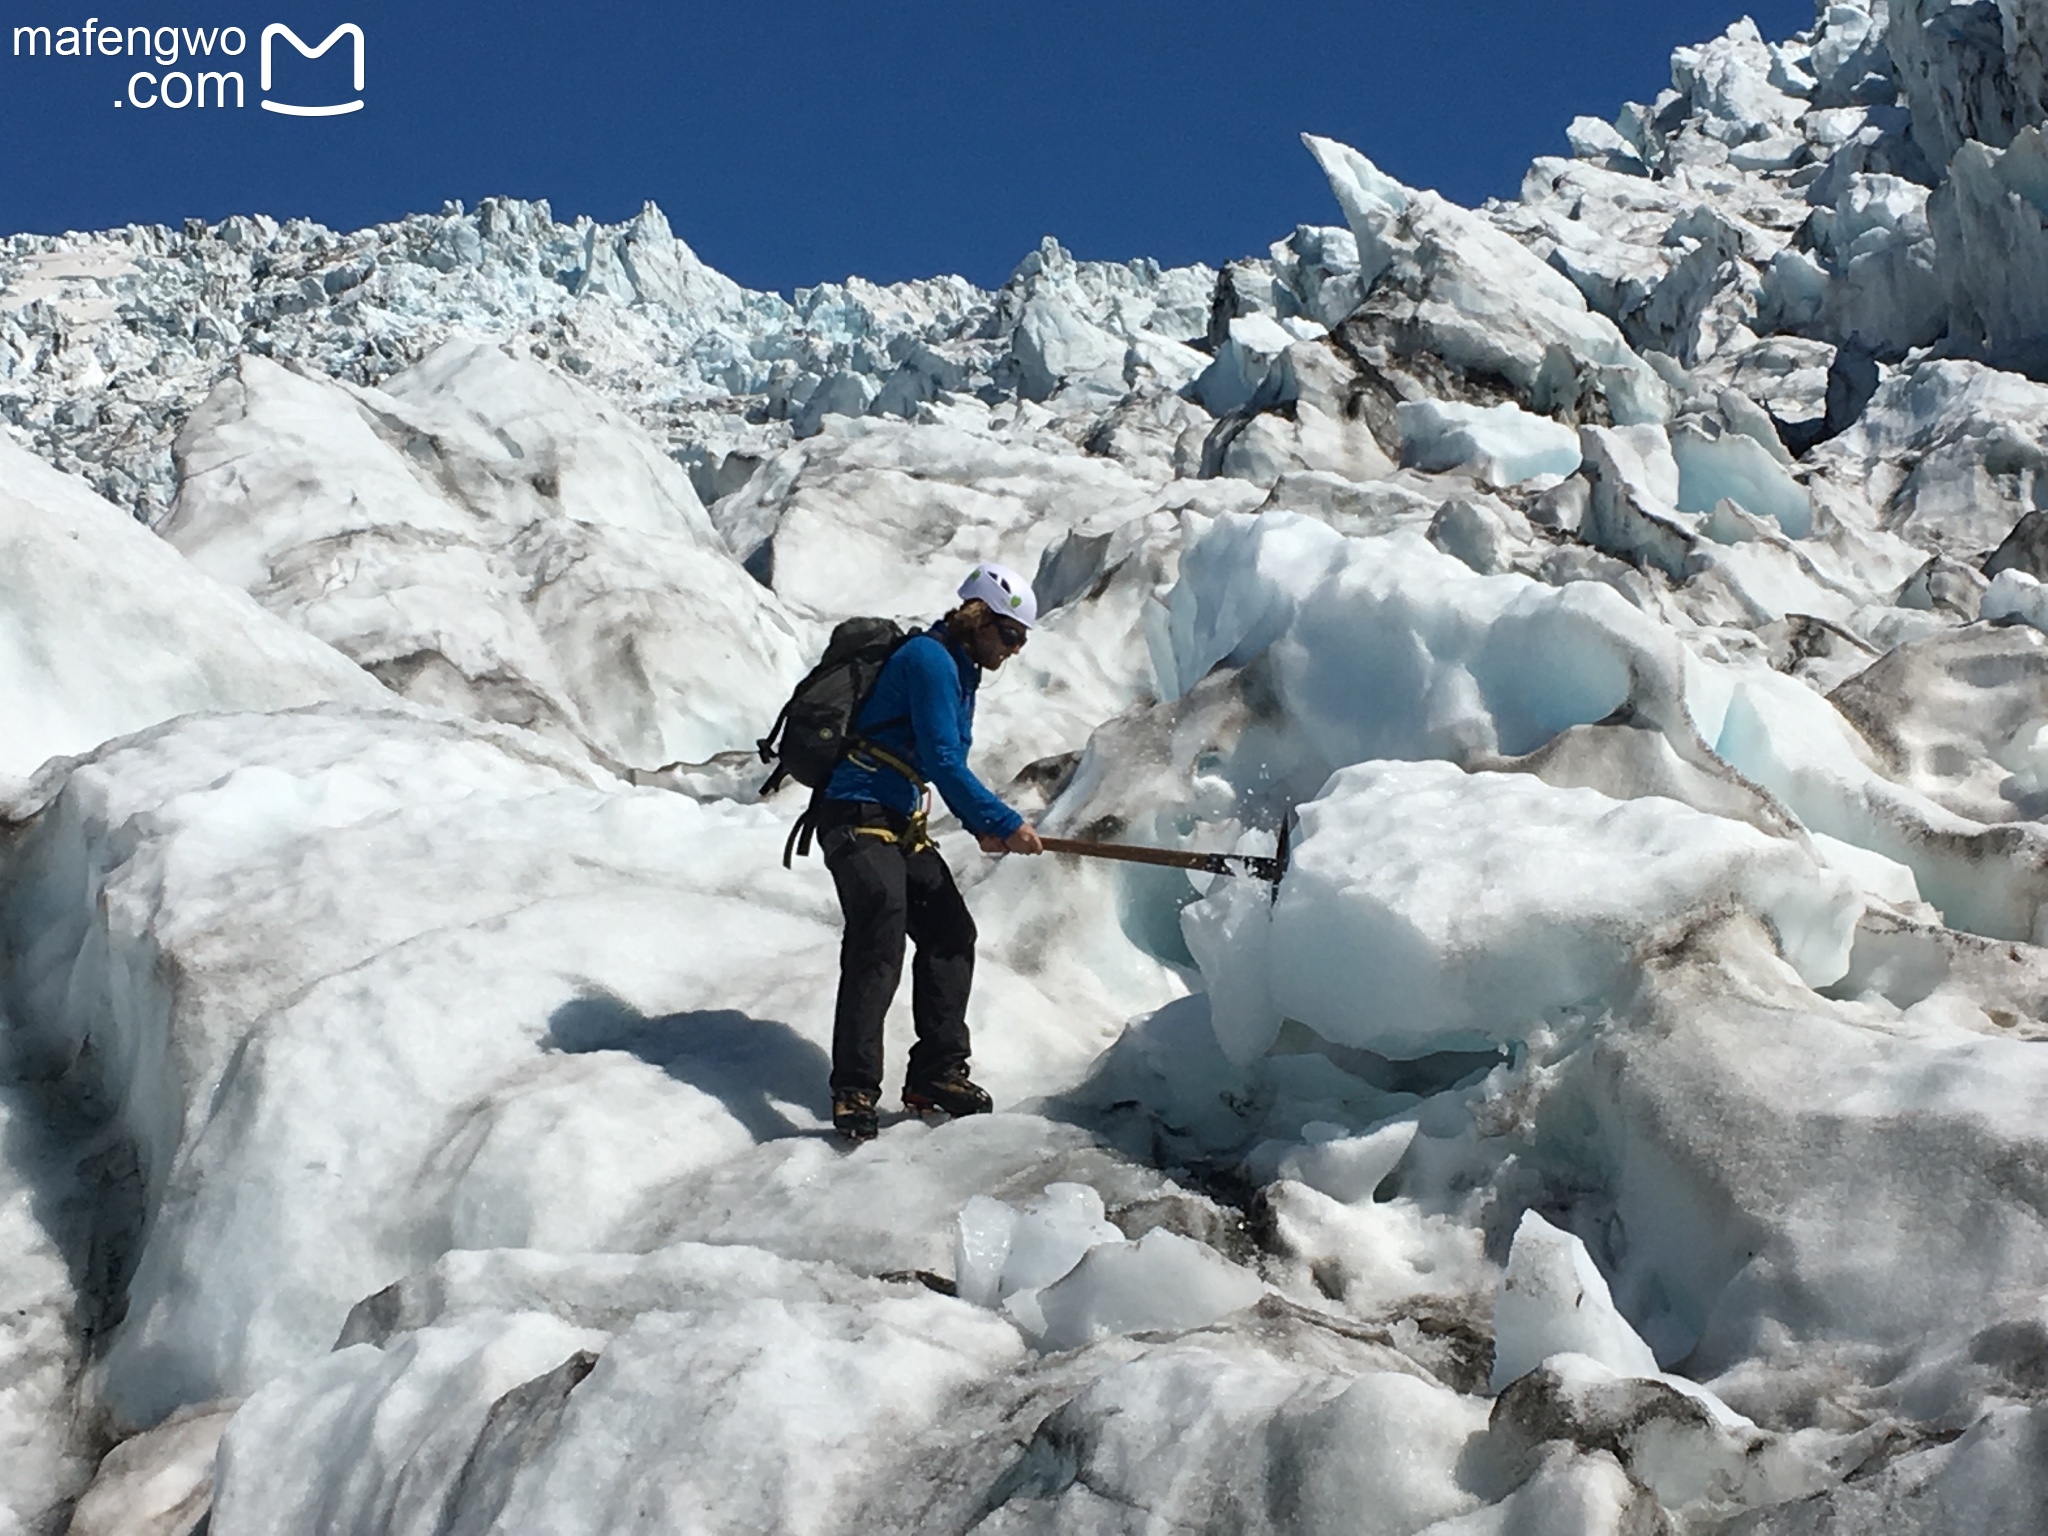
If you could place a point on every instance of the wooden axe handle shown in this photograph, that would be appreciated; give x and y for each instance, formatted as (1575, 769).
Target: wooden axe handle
(1171, 858)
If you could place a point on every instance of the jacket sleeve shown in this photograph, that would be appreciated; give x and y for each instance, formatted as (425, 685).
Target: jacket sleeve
(936, 722)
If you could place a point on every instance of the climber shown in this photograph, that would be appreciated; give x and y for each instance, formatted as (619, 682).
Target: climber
(892, 881)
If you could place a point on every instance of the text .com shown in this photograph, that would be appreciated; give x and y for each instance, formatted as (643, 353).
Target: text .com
(166, 47)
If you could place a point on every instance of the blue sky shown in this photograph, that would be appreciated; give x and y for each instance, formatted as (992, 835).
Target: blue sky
(801, 142)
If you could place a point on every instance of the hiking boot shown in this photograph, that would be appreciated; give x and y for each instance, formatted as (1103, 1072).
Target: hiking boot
(956, 1094)
(854, 1115)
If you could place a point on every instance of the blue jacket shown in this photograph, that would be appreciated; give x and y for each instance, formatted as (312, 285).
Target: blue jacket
(922, 710)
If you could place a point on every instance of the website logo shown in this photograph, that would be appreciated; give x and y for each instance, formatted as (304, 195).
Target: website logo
(168, 85)
(278, 29)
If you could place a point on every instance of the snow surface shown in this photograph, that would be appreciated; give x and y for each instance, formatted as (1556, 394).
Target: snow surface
(176, 643)
(1626, 1113)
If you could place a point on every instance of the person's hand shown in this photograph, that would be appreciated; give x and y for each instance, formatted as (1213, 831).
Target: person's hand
(1024, 840)
(989, 844)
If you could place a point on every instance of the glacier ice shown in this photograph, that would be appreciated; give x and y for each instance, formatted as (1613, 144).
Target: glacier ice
(1458, 287)
(485, 535)
(1485, 534)
(1971, 76)
(1164, 1282)
(1623, 597)
(1386, 647)
(1066, 1277)
(1991, 227)
(1734, 467)
(1430, 909)
(160, 1481)
(178, 642)
(1948, 452)
(791, 1382)
(1504, 444)
(1554, 1302)
(2017, 596)
(1004, 1257)
(1345, 1167)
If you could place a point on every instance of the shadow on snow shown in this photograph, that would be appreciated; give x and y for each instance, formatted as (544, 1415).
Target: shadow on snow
(751, 1066)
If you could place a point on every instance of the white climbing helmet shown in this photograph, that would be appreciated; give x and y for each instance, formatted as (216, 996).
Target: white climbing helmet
(1003, 590)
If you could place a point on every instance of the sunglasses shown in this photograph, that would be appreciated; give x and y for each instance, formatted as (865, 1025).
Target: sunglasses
(1011, 633)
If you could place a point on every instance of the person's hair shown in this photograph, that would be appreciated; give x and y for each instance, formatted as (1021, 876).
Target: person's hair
(963, 621)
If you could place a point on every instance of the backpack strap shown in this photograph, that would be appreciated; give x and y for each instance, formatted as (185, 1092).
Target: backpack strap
(799, 840)
(766, 745)
(771, 753)
(862, 746)
(798, 843)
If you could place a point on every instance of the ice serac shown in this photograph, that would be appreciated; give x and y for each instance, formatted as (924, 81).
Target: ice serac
(1055, 348)
(1440, 280)
(1895, 281)
(1386, 647)
(1246, 372)
(1775, 188)
(1427, 909)
(163, 637)
(895, 509)
(645, 263)
(1739, 84)
(1991, 227)
(1733, 466)
(1631, 510)
(1983, 878)
(1948, 453)
(485, 535)
(154, 314)
(1089, 332)
(1970, 71)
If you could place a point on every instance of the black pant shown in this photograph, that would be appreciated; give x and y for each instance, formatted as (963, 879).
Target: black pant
(888, 895)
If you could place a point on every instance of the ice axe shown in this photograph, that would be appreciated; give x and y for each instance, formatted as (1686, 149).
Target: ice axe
(1257, 866)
